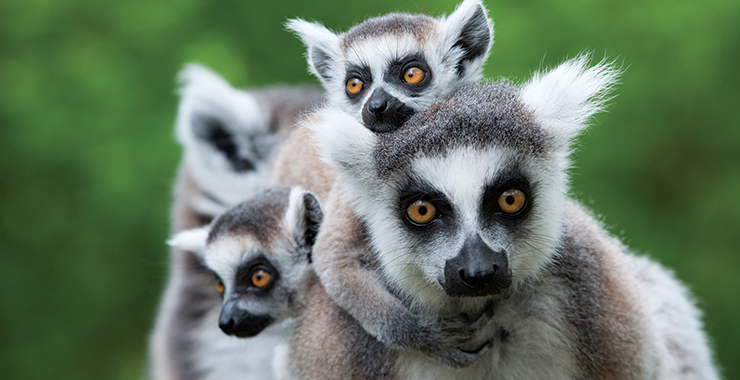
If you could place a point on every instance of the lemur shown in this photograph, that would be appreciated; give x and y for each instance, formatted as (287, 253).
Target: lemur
(464, 211)
(229, 145)
(230, 138)
(260, 251)
(387, 68)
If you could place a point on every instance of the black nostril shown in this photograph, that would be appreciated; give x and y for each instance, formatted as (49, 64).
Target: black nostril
(227, 327)
(479, 280)
(377, 108)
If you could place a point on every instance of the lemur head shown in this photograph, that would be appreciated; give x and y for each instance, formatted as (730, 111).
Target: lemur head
(229, 136)
(463, 202)
(260, 252)
(387, 68)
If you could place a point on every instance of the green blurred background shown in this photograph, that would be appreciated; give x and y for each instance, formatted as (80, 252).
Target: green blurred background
(87, 154)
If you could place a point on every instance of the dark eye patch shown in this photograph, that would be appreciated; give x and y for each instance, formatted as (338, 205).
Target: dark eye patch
(213, 131)
(246, 270)
(364, 74)
(491, 212)
(397, 68)
(419, 190)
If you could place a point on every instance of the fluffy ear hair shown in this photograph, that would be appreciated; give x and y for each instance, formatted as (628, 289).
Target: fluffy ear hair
(322, 47)
(208, 104)
(566, 97)
(191, 240)
(304, 217)
(344, 143)
(469, 34)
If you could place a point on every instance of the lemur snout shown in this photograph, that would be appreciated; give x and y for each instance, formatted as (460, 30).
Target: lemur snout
(239, 322)
(384, 113)
(476, 271)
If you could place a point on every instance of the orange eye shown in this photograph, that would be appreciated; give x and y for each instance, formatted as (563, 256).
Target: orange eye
(511, 201)
(261, 278)
(421, 212)
(354, 86)
(220, 286)
(413, 75)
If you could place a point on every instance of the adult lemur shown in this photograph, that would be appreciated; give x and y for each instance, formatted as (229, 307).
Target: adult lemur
(464, 211)
(389, 66)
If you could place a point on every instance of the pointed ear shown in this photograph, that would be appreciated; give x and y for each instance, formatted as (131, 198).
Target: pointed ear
(322, 47)
(304, 216)
(564, 99)
(211, 110)
(469, 34)
(191, 240)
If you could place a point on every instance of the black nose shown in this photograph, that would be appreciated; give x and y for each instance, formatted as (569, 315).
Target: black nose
(377, 107)
(384, 113)
(239, 322)
(477, 270)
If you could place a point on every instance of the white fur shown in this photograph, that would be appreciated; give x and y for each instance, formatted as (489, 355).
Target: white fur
(191, 240)
(227, 357)
(565, 98)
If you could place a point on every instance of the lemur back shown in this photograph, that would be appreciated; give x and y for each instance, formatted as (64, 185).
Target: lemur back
(230, 139)
(464, 211)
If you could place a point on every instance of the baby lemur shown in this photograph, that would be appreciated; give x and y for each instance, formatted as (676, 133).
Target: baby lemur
(387, 68)
(260, 251)
(464, 211)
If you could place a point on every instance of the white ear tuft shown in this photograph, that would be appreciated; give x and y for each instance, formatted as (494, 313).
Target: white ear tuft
(322, 47)
(566, 97)
(194, 77)
(191, 240)
(343, 142)
(469, 36)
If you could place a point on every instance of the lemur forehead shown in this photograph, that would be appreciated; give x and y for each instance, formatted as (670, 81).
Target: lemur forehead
(477, 116)
(259, 217)
(418, 26)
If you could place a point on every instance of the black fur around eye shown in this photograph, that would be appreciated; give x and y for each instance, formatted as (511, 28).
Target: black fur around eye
(423, 209)
(256, 276)
(356, 81)
(412, 74)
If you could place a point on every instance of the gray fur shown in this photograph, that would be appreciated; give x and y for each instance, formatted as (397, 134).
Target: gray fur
(496, 105)
(259, 217)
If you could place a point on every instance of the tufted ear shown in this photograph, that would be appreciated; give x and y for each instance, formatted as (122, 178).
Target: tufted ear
(191, 240)
(564, 99)
(304, 217)
(322, 47)
(469, 35)
(211, 111)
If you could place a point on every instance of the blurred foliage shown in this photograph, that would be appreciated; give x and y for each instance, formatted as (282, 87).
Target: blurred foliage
(87, 154)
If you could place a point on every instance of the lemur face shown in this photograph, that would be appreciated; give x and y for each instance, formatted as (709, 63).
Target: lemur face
(260, 253)
(387, 68)
(464, 200)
